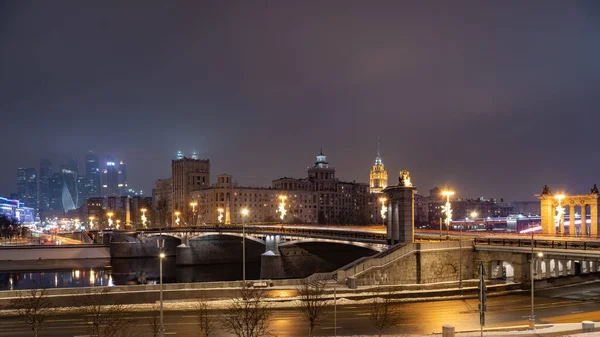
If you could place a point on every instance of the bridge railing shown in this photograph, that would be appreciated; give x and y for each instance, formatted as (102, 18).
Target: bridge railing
(544, 243)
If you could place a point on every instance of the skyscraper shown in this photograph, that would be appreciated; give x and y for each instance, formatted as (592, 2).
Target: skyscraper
(55, 187)
(27, 186)
(122, 178)
(92, 176)
(110, 179)
(70, 190)
(378, 178)
(44, 184)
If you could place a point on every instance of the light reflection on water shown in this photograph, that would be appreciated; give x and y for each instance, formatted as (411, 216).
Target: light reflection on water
(120, 272)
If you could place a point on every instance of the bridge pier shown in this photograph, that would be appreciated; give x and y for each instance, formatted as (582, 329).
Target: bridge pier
(401, 210)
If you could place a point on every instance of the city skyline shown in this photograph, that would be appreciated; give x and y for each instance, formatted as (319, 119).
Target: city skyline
(457, 96)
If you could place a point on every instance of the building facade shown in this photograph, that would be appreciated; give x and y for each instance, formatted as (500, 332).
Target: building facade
(224, 201)
(15, 209)
(378, 177)
(162, 202)
(188, 175)
(338, 202)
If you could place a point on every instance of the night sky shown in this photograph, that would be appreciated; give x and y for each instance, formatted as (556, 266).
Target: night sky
(491, 98)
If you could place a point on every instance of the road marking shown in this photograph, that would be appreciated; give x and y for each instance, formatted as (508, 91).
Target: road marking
(331, 327)
(577, 312)
(363, 314)
(170, 333)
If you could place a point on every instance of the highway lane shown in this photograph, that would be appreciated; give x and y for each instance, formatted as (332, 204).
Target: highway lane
(564, 305)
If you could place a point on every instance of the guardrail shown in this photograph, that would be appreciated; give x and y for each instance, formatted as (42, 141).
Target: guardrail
(553, 244)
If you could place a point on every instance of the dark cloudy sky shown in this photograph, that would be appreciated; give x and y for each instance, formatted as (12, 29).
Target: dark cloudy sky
(490, 98)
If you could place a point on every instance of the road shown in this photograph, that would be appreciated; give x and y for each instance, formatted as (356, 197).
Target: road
(563, 305)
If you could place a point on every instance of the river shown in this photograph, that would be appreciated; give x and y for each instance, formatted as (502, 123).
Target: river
(101, 272)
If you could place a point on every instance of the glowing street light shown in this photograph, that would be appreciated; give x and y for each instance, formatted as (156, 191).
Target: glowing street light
(282, 209)
(560, 211)
(383, 209)
(161, 328)
(244, 214)
(474, 215)
(144, 217)
(91, 225)
(110, 222)
(220, 217)
(177, 220)
(194, 204)
(447, 209)
(118, 223)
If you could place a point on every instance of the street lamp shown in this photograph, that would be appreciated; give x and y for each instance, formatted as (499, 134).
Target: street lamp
(144, 217)
(91, 225)
(282, 209)
(161, 328)
(560, 211)
(177, 219)
(118, 223)
(110, 222)
(194, 204)
(447, 209)
(220, 218)
(531, 276)
(244, 214)
(383, 209)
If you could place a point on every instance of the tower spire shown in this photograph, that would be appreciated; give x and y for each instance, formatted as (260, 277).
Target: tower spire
(378, 154)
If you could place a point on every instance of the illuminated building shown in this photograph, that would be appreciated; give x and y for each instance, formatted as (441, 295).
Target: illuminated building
(122, 178)
(110, 179)
(162, 201)
(44, 185)
(378, 178)
(262, 203)
(27, 186)
(17, 210)
(70, 190)
(55, 192)
(188, 175)
(337, 202)
(92, 176)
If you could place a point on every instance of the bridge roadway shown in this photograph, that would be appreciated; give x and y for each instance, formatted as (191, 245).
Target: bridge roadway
(377, 235)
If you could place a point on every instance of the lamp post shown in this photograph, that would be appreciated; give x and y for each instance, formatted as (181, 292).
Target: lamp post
(109, 215)
(282, 209)
(559, 216)
(162, 325)
(118, 223)
(91, 224)
(220, 217)
(244, 214)
(532, 277)
(144, 218)
(194, 204)
(383, 209)
(177, 220)
(447, 209)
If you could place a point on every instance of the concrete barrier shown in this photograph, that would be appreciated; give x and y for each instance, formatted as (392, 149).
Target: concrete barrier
(588, 326)
(29, 253)
(448, 331)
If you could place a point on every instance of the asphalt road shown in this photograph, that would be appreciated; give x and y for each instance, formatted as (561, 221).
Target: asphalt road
(563, 305)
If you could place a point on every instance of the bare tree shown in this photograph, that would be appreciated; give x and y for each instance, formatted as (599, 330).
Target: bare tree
(206, 323)
(312, 302)
(106, 320)
(381, 311)
(163, 210)
(248, 315)
(32, 306)
(154, 321)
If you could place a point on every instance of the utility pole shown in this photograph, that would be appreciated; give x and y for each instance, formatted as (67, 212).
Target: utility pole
(161, 246)
(482, 296)
(460, 259)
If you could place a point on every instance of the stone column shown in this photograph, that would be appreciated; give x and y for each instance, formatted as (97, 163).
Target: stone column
(390, 223)
(571, 219)
(538, 269)
(594, 217)
(561, 223)
(547, 213)
(396, 226)
(583, 226)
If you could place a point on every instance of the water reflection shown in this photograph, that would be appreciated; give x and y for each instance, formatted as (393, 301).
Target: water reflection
(120, 272)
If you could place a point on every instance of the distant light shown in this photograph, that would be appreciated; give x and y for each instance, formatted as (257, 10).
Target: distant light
(110, 163)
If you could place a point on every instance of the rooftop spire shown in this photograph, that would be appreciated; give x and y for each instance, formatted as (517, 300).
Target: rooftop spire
(378, 160)
(378, 155)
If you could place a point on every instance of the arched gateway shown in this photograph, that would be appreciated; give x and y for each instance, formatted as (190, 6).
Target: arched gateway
(553, 208)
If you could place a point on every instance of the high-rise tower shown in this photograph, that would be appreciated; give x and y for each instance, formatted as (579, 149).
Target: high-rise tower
(110, 179)
(378, 178)
(92, 176)
(44, 181)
